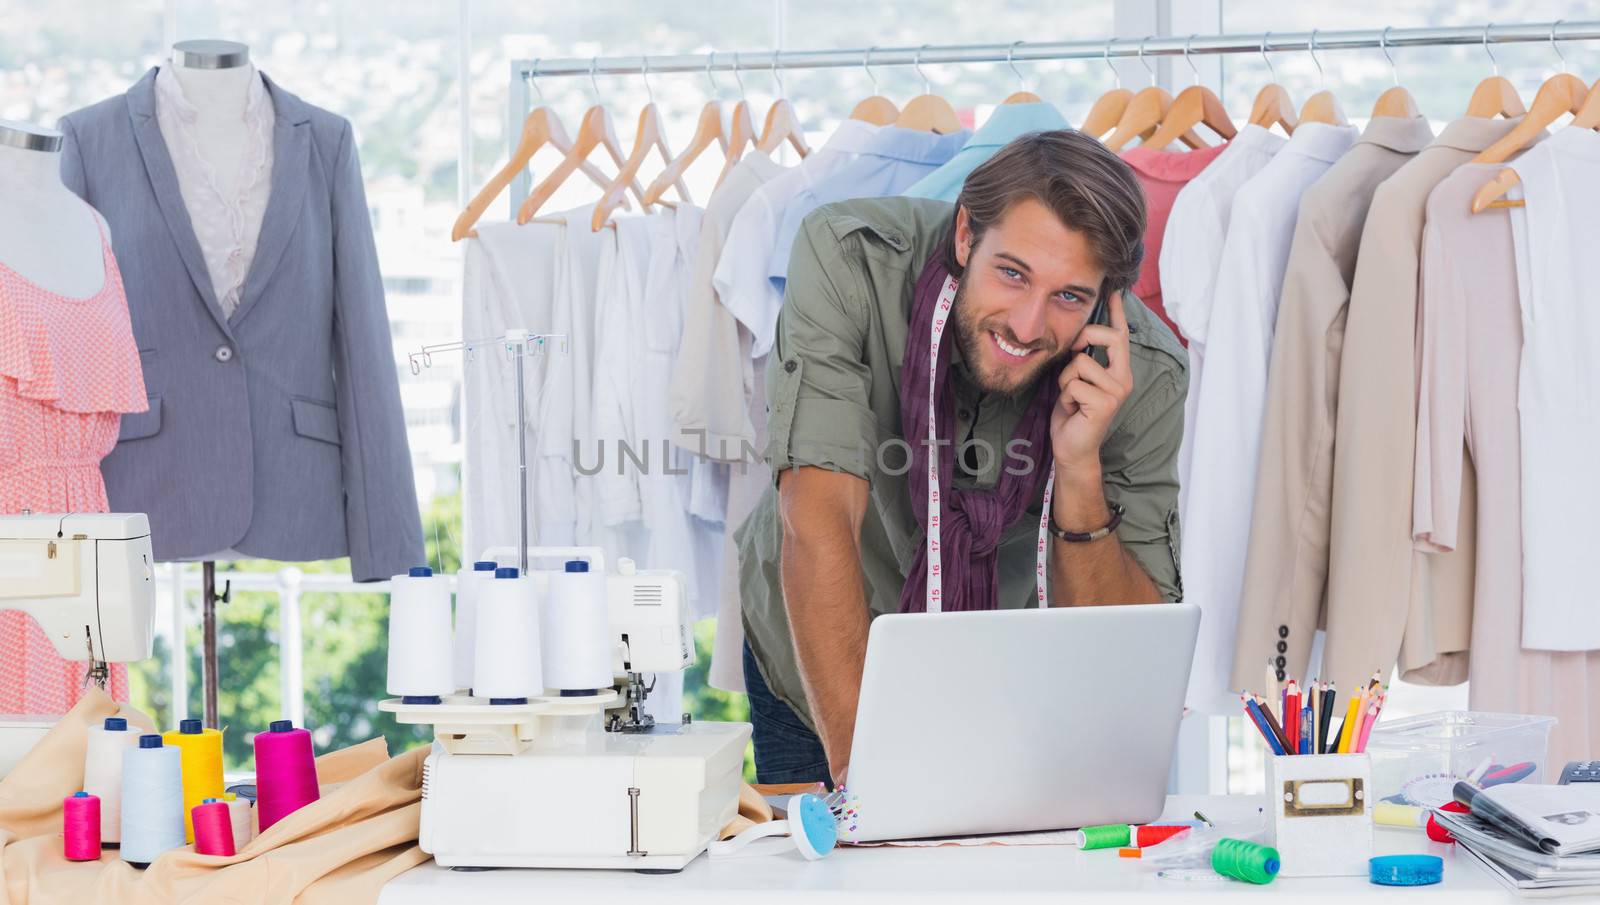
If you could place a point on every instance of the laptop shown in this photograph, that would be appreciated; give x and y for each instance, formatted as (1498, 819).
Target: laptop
(1008, 721)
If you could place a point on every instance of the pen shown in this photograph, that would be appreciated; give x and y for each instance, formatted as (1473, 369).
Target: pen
(1329, 692)
(1305, 729)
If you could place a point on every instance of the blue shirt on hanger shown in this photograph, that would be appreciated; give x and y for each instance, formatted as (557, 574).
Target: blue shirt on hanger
(1008, 121)
(893, 160)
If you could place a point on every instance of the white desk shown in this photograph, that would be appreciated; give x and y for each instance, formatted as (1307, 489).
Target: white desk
(921, 875)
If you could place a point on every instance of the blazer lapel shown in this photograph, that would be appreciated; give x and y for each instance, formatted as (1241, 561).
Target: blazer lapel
(291, 155)
(164, 183)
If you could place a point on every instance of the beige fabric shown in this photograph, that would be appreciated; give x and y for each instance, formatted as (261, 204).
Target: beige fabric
(1287, 565)
(1471, 348)
(339, 850)
(1387, 602)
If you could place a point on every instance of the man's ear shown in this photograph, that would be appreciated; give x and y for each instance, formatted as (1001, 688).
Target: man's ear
(963, 237)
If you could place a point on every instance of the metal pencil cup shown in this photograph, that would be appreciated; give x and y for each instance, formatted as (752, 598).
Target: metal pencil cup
(1319, 814)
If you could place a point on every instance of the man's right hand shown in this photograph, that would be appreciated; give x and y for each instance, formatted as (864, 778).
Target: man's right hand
(825, 597)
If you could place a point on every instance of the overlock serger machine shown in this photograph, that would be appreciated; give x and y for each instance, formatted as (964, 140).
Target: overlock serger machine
(583, 781)
(88, 579)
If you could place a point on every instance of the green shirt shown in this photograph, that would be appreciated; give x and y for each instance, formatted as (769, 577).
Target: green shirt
(833, 397)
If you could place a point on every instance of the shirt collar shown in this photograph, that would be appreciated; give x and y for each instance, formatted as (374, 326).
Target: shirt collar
(170, 90)
(1171, 166)
(916, 146)
(1320, 141)
(1254, 136)
(1011, 120)
(1402, 134)
(1475, 133)
(851, 137)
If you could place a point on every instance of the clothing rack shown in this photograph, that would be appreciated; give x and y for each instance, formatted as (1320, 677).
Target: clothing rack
(525, 71)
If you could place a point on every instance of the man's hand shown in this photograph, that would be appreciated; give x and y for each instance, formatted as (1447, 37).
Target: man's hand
(1091, 395)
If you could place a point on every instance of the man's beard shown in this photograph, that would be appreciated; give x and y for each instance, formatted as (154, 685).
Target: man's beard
(972, 336)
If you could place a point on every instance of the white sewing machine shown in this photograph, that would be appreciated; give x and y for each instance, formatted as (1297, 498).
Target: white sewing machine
(89, 581)
(587, 782)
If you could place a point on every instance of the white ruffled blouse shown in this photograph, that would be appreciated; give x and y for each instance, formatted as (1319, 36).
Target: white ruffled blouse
(226, 213)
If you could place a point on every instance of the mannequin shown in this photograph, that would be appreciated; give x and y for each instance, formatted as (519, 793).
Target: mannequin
(215, 76)
(49, 236)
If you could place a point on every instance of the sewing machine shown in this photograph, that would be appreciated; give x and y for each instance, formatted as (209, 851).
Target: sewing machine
(89, 581)
(585, 782)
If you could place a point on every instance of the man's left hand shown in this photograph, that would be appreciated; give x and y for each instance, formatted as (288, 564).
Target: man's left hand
(1091, 394)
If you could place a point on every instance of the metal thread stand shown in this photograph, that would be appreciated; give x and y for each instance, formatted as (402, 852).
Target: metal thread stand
(518, 345)
(209, 598)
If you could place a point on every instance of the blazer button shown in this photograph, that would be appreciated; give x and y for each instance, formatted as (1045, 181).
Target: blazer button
(223, 354)
(1283, 631)
(1281, 663)
(1283, 647)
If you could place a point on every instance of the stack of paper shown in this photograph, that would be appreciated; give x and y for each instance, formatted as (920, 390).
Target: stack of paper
(1533, 837)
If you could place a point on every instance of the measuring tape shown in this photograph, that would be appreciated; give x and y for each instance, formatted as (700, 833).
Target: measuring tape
(935, 602)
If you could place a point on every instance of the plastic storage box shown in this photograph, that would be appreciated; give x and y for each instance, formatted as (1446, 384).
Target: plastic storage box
(1418, 760)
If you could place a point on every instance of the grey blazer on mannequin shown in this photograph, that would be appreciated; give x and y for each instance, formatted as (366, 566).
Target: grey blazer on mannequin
(277, 432)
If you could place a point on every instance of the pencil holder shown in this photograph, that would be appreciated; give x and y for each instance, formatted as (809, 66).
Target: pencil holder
(1320, 814)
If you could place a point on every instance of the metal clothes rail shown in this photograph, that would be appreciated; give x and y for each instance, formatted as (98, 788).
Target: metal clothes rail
(525, 71)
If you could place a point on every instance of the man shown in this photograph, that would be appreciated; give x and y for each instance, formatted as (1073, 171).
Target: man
(1041, 233)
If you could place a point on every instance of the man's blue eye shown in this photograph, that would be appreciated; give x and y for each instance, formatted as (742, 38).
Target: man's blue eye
(1011, 273)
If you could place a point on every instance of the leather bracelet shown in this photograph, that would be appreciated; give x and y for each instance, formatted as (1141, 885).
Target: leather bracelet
(1074, 537)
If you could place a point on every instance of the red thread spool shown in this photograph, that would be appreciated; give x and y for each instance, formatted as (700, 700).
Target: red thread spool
(213, 828)
(286, 773)
(80, 827)
(1436, 831)
(1146, 836)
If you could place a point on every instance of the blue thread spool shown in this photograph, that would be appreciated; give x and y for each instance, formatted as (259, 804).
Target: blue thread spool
(152, 800)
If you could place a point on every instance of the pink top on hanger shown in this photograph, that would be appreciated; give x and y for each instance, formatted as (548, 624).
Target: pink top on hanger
(1162, 174)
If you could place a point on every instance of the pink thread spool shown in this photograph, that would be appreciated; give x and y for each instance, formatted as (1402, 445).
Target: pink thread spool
(80, 827)
(213, 828)
(286, 773)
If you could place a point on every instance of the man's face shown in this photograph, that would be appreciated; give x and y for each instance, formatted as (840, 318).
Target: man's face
(1029, 286)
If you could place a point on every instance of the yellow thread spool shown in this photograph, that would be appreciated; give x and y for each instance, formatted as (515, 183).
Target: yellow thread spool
(201, 759)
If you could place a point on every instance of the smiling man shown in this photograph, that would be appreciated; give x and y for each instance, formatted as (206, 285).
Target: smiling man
(986, 307)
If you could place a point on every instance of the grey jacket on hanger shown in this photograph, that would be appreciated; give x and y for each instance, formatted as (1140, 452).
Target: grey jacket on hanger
(276, 432)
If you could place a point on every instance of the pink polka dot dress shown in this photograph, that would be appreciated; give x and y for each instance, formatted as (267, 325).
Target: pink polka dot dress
(68, 369)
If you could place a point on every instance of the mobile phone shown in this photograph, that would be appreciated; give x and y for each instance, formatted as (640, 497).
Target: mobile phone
(1100, 314)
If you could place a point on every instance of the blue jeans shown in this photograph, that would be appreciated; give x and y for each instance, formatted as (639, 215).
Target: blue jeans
(787, 751)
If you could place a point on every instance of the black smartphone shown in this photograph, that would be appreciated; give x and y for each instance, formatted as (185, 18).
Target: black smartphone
(1100, 314)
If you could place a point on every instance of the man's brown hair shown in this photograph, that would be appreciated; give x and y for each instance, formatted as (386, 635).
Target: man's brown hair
(1087, 186)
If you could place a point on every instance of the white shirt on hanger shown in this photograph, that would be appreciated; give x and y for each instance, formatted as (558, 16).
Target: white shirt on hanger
(506, 285)
(1227, 425)
(741, 277)
(1560, 379)
(225, 209)
(1191, 250)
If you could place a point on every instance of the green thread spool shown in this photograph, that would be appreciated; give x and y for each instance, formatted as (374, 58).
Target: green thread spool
(1115, 835)
(1247, 861)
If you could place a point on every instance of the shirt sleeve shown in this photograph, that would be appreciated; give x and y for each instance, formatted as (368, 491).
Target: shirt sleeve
(818, 385)
(1139, 460)
(741, 281)
(1441, 400)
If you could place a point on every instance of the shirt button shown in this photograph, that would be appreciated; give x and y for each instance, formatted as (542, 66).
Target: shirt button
(223, 354)
(790, 365)
(964, 414)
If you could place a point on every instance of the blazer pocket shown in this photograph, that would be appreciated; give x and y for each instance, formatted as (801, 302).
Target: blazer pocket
(138, 425)
(316, 420)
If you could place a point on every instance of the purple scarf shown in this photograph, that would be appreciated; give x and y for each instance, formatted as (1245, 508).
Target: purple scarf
(973, 520)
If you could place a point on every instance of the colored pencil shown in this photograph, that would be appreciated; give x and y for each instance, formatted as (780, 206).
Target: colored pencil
(1254, 713)
(1313, 698)
(1329, 693)
(1352, 716)
(1333, 739)
(1277, 728)
(1366, 728)
(1291, 715)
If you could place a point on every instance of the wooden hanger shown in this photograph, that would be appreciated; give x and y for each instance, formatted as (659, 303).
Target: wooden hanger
(1561, 94)
(743, 136)
(1195, 105)
(649, 136)
(1396, 102)
(1494, 96)
(595, 131)
(782, 124)
(1273, 105)
(928, 112)
(707, 131)
(1022, 95)
(1589, 115)
(1321, 107)
(877, 109)
(539, 129)
(1108, 109)
(1145, 114)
